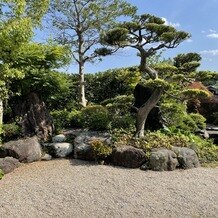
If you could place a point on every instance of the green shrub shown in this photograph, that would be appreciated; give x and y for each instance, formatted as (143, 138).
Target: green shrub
(176, 117)
(119, 111)
(75, 118)
(207, 152)
(1, 174)
(61, 119)
(101, 149)
(11, 131)
(95, 117)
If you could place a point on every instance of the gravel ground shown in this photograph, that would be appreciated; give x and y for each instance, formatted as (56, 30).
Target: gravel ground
(72, 188)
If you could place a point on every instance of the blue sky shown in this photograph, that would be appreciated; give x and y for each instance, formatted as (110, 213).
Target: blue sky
(198, 17)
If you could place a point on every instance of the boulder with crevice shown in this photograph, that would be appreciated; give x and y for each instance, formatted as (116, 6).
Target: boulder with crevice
(162, 159)
(187, 157)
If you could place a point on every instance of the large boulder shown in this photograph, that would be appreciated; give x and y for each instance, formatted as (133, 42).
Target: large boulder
(59, 149)
(82, 144)
(25, 150)
(187, 157)
(163, 160)
(8, 164)
(128, 156)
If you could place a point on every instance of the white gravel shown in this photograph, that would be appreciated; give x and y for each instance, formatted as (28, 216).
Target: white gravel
(72, 188)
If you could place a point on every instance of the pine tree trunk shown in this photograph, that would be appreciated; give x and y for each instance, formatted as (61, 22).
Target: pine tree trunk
(82, 98)
(144, 110)
(1, 112)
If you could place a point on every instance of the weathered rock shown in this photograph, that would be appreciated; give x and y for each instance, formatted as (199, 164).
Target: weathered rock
(25, 150)
(35, 118)
(59, 149)
(59, 138)
(128, 156)
(8, 164)
(162, 160)
(82, 144)
(46, 157)
(187, 157)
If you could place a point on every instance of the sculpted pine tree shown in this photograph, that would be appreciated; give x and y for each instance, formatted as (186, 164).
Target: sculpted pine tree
(79, 24)
(147, 34)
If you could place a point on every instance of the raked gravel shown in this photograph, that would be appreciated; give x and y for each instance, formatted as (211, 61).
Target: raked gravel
(74, 189)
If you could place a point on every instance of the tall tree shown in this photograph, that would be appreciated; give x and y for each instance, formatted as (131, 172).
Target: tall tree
(147, 34)
(17, 20)
(80, 23)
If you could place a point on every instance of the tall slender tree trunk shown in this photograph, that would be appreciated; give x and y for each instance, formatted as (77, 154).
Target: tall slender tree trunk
(82, 98)
(144, 110)
(1, 112)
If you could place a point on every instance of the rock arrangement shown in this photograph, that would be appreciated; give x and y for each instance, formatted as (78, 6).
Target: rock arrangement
(78, 145)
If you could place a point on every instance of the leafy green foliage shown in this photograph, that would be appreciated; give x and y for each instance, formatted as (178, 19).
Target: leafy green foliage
(111, 83)
(156, 83)
(187, 62)
(95, 117)
(61, 119)
(176, 117)
(101, 149)
(11, 131)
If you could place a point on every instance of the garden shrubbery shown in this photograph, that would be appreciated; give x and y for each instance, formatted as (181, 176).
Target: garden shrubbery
(11, 131)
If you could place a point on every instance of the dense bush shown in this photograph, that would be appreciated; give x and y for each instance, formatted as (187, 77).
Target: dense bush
(61, 119)
(119, 111)
(95, 117)
(176, 117)
(101, 149)
(75, 118)
(11, 131)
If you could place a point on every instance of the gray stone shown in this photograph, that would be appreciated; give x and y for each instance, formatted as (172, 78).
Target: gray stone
(59, 138)
(187, 157)
(25, 150)
(163, 160)
(128, 156)
(8, 164)
(82, 144)
(46, 157)
(59, 149)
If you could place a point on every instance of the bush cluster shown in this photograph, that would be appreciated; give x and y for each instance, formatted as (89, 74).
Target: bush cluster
(101, 149)
(11, 131)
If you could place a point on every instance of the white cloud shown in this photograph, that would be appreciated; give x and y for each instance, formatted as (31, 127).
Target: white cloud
(176, 25)
(189, 40)
(210, 52)
(213, 35)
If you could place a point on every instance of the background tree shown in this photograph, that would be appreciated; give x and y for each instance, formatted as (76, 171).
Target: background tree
(147, 34)
(17, 20)
(79, 24)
